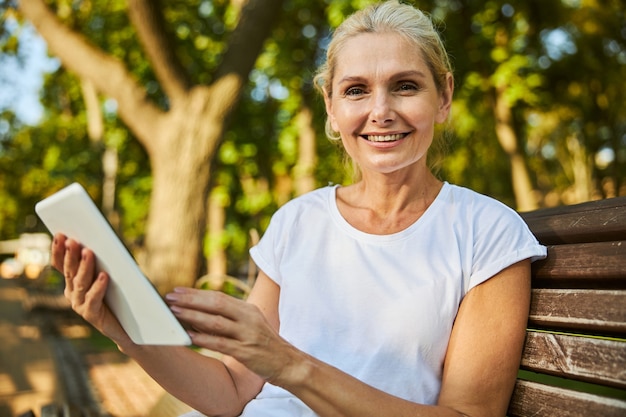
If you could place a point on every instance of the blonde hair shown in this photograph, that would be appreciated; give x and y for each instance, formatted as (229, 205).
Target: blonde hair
(390, 16)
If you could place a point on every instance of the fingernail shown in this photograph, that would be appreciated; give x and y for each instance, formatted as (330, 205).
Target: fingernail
(175, 309)
(171, 296)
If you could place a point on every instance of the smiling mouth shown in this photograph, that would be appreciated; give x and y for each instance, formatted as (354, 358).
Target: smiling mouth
(385, 138)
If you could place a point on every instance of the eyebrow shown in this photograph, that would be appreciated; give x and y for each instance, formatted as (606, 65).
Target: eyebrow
(400, 75)
(415, 73)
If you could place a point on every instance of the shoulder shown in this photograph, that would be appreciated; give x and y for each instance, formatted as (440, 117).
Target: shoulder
(483, 217)
(306, 215)
(314, 200)
(310, 207)
(469, 202)
(499, 236)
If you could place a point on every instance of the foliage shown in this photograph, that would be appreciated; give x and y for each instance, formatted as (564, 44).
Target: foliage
(562, 64)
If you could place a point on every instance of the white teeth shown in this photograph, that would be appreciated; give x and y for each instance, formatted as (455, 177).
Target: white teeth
(385, 138)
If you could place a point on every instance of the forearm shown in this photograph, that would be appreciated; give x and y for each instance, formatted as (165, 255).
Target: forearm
(331, 392)
(205, 383)
(202, 382)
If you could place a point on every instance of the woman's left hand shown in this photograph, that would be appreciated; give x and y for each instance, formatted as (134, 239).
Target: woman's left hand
(233, 327)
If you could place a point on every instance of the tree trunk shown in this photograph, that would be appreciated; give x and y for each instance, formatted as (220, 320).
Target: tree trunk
(307, 154)
(580, 166)
(181, 171)
(180, 217)
(95, 131)
(217, 262)
(522, 187)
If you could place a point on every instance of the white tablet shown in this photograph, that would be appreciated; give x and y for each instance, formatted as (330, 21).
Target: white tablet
(133, 299)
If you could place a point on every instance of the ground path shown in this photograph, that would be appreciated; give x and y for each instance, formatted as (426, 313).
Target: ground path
(31, 377)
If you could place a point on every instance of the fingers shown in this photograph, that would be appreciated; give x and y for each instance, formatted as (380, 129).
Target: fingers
(206, 311)
(71, 260)
(84, 288)
(220, 322)
(58, 252)
(81, 281)
(215, 302)
(90, 304)
(232, 327)
(77, 264)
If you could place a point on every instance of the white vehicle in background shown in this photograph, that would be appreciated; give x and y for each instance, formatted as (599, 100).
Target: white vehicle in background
(31, 256)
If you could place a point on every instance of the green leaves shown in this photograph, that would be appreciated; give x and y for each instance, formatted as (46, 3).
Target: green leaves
(557, 66)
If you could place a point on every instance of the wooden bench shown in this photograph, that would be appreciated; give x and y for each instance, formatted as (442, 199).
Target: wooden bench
(574, 360)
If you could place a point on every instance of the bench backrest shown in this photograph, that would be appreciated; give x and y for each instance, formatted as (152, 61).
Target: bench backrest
(574, 360)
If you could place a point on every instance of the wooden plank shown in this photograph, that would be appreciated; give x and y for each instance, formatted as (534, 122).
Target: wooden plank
(601, 312)
(594, 221)
(598, 261)
(538, 400)
(599, 361)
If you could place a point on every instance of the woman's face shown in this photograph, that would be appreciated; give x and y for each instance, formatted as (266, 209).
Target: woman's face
(385, 102)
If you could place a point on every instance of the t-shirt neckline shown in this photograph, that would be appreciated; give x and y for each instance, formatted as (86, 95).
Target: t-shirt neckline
(343, 224)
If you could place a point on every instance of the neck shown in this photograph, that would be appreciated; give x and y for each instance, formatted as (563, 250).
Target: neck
(386, 205)
(390, 193)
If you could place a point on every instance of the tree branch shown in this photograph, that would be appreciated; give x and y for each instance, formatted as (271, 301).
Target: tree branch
(108, 74)
(148, 20)
(257, 19)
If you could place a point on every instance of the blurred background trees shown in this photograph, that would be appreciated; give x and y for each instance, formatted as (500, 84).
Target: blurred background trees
(190, 175)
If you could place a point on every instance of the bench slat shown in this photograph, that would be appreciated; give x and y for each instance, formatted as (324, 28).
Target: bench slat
(594, 221)
(598, 311)
(599, 261)
(587, 359)
(538, 400)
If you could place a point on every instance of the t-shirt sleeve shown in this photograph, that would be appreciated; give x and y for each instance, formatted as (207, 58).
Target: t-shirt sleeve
(267, 252)
(501, 238)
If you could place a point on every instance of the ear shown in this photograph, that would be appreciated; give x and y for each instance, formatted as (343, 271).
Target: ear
(329, 111)
(445, 99)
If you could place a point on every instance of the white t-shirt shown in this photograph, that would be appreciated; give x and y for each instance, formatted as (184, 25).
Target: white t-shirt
(381, 307)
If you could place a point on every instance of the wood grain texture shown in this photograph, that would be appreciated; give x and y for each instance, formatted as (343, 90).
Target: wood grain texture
(577, 313)
(601, 312)
(538, 400)
(587, 359)
(594, 264)
(594, 221)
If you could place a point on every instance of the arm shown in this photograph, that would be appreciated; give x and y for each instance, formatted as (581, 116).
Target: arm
(214, 387)
(221, 387)
(479, 370)
(486, 345)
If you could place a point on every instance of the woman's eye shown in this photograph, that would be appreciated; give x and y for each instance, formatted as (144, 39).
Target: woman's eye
(407, 86)
(354, 91)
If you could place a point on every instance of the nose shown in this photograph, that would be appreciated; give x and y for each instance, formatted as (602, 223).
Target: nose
(382, 111)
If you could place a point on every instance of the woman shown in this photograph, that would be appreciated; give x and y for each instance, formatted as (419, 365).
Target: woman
(399, 295)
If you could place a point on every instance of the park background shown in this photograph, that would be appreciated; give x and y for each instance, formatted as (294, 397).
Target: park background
(191, 121)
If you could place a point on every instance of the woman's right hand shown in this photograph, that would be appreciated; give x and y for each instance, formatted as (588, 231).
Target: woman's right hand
(84, 288)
